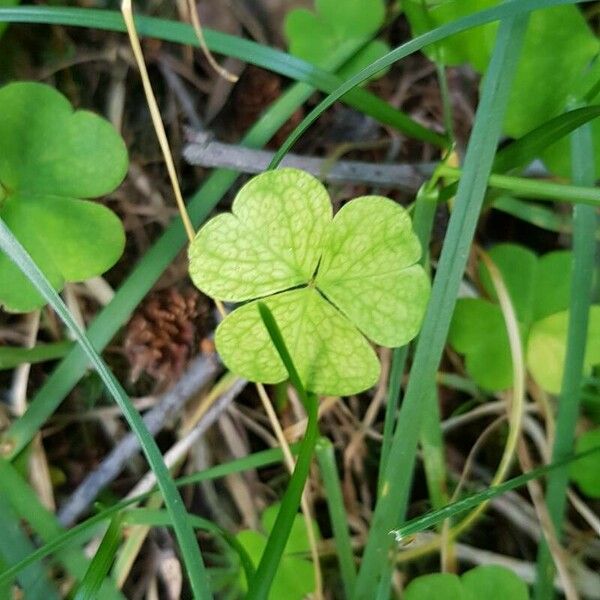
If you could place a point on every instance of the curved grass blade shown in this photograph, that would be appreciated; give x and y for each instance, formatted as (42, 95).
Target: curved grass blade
(503, 11)
(471, 191)
(85, 529)
(584, 265)
(160, 518)
(184, 532)
(45, 525)
(522, 151)
(100, 565)
(221, 43)
(14, 545)
(432, 518)
(11, 357)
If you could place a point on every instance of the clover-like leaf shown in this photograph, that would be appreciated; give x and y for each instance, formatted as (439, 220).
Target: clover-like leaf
(585, 472)
(331, 355)
(271, 241)
(326, 281)
(374, 279)
(539, 289)
(557, 52)
(490, 581)
(314, 36)
(547, 348)
(295, 578)
(52, 160)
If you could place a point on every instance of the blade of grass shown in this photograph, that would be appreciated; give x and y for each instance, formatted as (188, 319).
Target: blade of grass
(522, 151)
(424, 213)
(15, 545)
(61, 539)
(160, 518)
(536, 188)
(434, 517)
(100, 565)
(471, 191)
(261, 583)
(246, 50)
(183, 531)
(11, 357)
(537, 215)
(584, 253)
(26, 504)
(337, 513)
(149, 269)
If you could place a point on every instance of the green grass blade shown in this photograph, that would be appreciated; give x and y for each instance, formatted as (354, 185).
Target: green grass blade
(536, 188)
(62, 539)
(261, 583)
(423, 217)
(337, 513)
(246, 50)
(537, 215)
(160, 518)
(184, 532)
(506, 10)
(11, 357)
(471, 191)
(522, 151)
(434, 517)
(584, 254)
(45, 524)
(14, 546)
(100, 565)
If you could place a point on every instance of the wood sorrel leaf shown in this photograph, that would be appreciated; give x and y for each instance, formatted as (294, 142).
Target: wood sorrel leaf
(490, 581)
(51, 159)
(539, 290)
(547, 347)
(271, 241)
(331, 355)
(585, 472)
(369, 271)
(279, 236)
(313, 36)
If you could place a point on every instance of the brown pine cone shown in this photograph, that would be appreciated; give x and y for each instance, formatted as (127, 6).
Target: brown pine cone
(166, 331)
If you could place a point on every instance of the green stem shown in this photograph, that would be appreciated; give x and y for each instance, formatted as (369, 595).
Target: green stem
(425, 207)
(395, 488)
(535, 188)
(584, 226)
(337, 513)
(267, 568)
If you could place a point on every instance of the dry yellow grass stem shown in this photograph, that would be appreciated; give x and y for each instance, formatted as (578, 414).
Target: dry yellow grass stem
(195, 18)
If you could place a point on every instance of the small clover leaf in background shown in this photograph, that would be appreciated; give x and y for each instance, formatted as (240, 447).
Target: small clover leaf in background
(557, 54)
(585, 472)
(326, 280)
(491, 582)
(314, 36)
(539, 290)
(52, 159)
(295, 576)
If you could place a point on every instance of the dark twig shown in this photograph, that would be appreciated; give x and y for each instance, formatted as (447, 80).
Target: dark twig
(200, 371)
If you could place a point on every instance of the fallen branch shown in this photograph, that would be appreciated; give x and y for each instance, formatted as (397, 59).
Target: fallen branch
(207, 152)
(200, 372)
